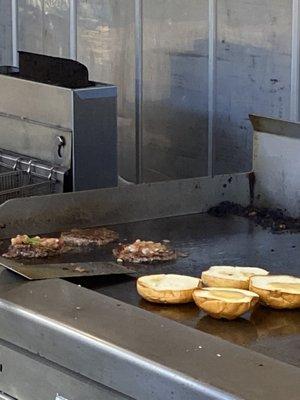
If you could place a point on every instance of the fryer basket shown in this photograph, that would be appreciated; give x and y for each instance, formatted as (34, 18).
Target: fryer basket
(15, 184)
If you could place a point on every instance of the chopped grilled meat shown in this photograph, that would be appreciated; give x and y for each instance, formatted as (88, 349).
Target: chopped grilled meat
(144, 252)
(22, 246)
(89, 237)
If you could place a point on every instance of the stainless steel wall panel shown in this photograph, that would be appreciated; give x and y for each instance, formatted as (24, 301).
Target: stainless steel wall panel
(175, 88)
(106, 44)
(253, 74)
(56, 28)
(44, 26)
(295, 62)
(5, 32)
(31, 25)
(256, 72)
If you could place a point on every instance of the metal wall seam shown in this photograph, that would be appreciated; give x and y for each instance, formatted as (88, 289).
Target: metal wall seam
(139, 90)
(212, 65)
(73, 29)
(43, 28)
(295, 62)
(14, 32)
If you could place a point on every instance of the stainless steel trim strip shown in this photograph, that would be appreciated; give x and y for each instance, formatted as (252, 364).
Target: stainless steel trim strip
(14, 32)
(139, 90)
(212, 72)
(73, 29)
(32, 121)
(295, 62)
(275, 126)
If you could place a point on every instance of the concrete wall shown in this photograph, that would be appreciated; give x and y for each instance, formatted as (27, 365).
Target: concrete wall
(252, 61)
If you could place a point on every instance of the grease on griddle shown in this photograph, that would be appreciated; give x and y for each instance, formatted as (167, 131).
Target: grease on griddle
(274, 219)
(89, 237)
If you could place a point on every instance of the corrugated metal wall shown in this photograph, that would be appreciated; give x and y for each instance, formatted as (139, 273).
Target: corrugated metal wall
(182, 101)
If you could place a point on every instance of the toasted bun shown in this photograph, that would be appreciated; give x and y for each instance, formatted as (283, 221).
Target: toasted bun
(230, 277)
(172, 289)
(225, 302)
(277, 291)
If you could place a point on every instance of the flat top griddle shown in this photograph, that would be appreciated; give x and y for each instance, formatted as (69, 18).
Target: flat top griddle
(207, 240)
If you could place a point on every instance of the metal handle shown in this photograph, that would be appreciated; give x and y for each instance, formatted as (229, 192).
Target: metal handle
(61, 142)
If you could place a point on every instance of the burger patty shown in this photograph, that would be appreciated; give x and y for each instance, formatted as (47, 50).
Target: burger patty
(89, 237)
(22, 246)
(144, 252)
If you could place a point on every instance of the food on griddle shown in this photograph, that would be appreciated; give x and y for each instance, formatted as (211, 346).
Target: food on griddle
(89, 237)
(23, 246)
(168, 289)
(144, 252)
(277, 291)
(228, 303)
(230, 277)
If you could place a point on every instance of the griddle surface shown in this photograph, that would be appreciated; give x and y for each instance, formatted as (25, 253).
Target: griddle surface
(213, 241)
(207, 241)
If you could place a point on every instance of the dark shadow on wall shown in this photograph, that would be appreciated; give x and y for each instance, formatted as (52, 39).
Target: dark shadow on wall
(249, 80)
(175, 113)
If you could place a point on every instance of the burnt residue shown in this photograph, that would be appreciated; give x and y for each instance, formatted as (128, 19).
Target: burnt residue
(274, 219)
(252, 180)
